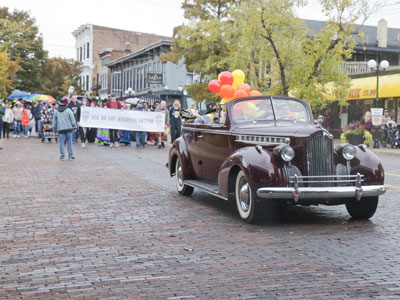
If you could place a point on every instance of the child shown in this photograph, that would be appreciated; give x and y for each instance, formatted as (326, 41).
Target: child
(397, 139)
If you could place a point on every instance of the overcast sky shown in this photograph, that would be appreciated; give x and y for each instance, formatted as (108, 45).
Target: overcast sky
(57, 19)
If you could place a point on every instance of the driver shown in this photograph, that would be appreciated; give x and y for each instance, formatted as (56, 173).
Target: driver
(211, 115)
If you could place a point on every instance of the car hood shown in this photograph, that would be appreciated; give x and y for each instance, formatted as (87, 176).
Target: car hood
(283, 129)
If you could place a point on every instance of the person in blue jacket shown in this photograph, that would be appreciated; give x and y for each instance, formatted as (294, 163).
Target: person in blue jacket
(65, 125)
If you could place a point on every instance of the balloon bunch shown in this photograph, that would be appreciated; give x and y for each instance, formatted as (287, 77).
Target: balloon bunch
(231, 86)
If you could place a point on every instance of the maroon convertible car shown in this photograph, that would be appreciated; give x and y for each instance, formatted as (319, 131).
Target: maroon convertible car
(266, 152)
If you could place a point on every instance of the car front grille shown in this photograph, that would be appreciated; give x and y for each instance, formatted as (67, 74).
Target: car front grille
(319, 157)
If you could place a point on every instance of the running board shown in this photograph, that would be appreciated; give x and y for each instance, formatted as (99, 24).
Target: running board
(205, 187)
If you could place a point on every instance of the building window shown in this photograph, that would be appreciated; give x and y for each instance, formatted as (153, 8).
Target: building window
(137, 79)
(80, 56)
(87, 82)
(134, 79)
(87, 51)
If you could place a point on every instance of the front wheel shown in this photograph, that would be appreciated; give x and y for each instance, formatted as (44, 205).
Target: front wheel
(363, 209)
(182, 188)
(245, 198)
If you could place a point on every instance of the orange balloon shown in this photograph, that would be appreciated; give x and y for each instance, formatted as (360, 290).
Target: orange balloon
(240, 94)
(226, 91)
(245, 87)
(255, 93)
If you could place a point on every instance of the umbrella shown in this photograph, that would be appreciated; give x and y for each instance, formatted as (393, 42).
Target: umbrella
(18, 94)
(133, 100)
(42, 97)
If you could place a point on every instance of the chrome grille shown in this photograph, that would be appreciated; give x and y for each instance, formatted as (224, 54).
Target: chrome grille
(319, 157)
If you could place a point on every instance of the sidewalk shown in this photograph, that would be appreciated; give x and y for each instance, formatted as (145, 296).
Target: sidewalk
(378, 151)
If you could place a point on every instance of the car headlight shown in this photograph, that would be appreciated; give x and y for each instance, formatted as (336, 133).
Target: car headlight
(349, 152)
(287, 153)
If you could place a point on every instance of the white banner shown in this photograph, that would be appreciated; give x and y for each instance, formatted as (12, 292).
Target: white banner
(94, 117)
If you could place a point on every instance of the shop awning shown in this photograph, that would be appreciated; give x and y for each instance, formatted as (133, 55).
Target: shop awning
(365, 88)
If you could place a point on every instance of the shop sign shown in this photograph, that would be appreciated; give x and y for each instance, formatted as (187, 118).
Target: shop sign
(154, 78)
(376, 115)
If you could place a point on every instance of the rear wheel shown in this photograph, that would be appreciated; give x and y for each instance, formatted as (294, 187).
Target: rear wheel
(182, 188)
(363, 209)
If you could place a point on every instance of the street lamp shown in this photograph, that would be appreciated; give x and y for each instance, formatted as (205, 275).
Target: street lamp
(129, 92)
(372, 64)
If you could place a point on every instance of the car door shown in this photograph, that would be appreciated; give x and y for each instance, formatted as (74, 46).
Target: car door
(214, 148)
(191, 137)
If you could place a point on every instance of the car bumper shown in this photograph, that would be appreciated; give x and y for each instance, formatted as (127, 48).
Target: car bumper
(321, 192)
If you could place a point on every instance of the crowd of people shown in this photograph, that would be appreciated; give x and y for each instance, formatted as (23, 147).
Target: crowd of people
(60, 122)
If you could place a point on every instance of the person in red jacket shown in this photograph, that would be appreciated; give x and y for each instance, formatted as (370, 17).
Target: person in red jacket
(25, 122)
(113, 104)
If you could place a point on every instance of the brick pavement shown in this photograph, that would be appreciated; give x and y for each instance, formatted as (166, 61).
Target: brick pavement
(110, 225)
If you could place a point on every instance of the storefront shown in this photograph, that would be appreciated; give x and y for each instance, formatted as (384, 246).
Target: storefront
(362, 97)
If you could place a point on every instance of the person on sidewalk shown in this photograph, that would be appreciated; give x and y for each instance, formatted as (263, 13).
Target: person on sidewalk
(17, 115)
(25, 122)
(47, 121)
(113, 104)
(65, 125)
(2, 113)
(163, 108)
(76, 109)
(140, 135)
(37, 113)
(8, 118)
(175, 121)
(82, 130)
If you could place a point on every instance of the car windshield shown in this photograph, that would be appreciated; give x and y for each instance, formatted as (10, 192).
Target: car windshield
(261, 110)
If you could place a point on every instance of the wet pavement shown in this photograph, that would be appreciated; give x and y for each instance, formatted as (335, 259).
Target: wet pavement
(110, 225)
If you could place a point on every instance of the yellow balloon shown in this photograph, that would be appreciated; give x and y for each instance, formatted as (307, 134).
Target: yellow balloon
(249, 108)
(238, 78)
(219, 77)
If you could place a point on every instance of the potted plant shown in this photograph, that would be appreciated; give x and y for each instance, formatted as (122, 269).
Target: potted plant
(355, 134)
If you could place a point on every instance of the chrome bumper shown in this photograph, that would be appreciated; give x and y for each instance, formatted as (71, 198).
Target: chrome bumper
(296, 192)
(322, 193)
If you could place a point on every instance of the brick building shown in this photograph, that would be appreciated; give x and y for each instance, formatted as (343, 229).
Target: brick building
(91, 39)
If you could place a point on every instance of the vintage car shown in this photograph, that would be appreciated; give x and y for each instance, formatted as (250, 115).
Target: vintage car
(268, 151)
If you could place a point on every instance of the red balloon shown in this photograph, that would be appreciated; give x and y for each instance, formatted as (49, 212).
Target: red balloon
(240, 94)
(226, 78)
(214, 86)
(245, 87)
(226, 91)
(255, 93)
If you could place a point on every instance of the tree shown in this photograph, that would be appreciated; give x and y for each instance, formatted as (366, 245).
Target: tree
(58, 75)
(282, 56)
(7, 71)
(203, 41)
(20, 37)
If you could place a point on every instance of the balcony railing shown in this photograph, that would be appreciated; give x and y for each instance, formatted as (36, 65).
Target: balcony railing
(360, 67)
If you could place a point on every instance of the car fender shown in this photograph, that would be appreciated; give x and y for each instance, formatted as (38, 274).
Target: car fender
(179, 149)
(260, 166)
(367, 163)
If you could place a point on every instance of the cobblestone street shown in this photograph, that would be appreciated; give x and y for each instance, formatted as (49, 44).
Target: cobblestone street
(110, 225)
